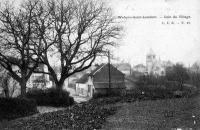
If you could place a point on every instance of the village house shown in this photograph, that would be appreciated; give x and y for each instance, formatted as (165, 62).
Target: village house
(139, 68)
(39, 80)
(36, 81)
(125, 68)
(97, 81)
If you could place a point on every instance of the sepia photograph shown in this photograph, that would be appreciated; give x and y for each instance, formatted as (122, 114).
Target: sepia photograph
(99, 65)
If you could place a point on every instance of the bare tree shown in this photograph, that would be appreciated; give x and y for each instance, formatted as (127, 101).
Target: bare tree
(195, 74)
(17, 41)
(76, 31)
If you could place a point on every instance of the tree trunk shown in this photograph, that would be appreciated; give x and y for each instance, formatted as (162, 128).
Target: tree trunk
(6, 92)
(6, 87)
(59, 86)
(23, 88)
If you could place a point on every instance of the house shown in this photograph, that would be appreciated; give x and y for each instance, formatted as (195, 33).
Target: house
(36, 80)
(39, 80)
(125, 68)
(140, 68)
(97, 81)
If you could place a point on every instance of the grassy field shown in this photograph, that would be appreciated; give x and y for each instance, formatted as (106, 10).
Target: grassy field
(166, 114)
(169, 114)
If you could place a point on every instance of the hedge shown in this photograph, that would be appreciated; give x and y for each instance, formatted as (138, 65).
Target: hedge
(11, 108)
(50, 97)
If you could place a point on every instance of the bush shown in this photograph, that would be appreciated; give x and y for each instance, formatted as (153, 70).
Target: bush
(11, 108)
(100, 95)
(153, 92)
(134, 93)
(50, 97)
(105, 100)
(173, 85)
(160, 88)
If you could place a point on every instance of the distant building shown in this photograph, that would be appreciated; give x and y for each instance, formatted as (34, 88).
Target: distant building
(36, 80)
(125, 68)
(39, 80)
(140, 68)
(97, 81)
(155, 66)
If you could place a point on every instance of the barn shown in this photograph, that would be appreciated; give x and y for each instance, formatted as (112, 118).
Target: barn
(97, 81)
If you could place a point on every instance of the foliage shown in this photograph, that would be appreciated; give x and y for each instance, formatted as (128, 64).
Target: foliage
(151, 80)
(87, 116)
(106, 100)
(50, 97)
(194, 78)
(177, 73)
(11, 108)
(168, 86)
(158, 87)
(108, 94)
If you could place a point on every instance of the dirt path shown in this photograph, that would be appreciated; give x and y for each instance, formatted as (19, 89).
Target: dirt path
(167, 114)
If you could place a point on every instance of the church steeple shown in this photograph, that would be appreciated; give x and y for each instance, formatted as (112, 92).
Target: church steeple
(151, 52)
(151, 56)
(150, 60)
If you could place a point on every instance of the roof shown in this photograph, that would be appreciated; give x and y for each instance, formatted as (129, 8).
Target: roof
(123, 66)
(112, 68)
(84, 78)
(97, 69)
(139, 66)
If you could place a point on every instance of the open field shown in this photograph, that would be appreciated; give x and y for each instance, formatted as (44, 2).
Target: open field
(166, 114)
(157, 114)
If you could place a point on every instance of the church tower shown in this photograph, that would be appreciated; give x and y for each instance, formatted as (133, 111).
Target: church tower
(150, 61)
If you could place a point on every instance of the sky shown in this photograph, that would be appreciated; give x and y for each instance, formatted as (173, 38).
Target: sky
(175, 42)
